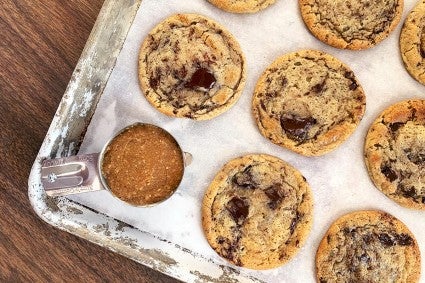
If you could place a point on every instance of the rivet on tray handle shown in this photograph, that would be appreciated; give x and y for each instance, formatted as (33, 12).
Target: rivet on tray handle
(71, 175)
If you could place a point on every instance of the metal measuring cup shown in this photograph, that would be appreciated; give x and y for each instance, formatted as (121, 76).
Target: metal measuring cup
(83, 173)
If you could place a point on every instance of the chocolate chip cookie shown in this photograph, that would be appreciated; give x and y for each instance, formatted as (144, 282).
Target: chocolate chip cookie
(412, 42)
(242, 6)
(352, 24)
(190, 66)
(368, 246)
(308, 102)
(395, 153)
(257, 212)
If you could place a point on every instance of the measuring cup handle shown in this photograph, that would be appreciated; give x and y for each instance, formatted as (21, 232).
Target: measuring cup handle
(71, 175)
(187, 158)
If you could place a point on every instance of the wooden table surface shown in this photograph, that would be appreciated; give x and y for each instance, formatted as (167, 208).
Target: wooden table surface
(40, 44)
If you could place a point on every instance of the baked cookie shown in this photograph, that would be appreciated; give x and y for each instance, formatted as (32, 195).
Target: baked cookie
(395, 153)
(242, 6)
(412, 43)
(257, 212)
(190, 66)
(368, 246)
(351, 24)
(308, 102)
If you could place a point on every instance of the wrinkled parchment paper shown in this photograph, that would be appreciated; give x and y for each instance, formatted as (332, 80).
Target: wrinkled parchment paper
(339, 180)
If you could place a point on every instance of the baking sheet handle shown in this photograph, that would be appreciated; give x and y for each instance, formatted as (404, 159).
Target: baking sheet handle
(71, 175)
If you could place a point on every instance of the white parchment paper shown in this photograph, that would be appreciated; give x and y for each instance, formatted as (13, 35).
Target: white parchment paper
(339, 180)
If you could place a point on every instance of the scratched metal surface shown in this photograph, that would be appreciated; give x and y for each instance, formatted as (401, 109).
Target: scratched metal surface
(64, 138)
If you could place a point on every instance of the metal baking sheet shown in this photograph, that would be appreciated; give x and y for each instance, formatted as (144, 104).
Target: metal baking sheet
(64, 138)
(337, 189)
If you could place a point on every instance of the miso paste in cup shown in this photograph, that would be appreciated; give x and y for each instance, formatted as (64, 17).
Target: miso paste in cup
(143, 165)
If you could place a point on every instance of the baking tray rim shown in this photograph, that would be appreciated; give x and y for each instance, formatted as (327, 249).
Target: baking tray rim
(96, 227)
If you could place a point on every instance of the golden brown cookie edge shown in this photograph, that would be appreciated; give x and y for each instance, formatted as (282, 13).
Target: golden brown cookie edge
(307, 149)
(240, 8)
(409, 37)
(373, 160)
(376, 216)
(337, 42)
(165, 108)
(303, 228)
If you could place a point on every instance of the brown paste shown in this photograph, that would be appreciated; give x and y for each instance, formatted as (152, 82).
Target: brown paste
(143, 165)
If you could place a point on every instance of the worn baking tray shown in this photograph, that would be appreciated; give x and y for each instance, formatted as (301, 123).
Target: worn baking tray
(64, 138)
(336, 189)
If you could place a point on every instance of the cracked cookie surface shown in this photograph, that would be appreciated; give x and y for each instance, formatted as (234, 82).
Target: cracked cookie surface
(257, 212)
(242, 6)
(352, 24)
(395, 153)
(412, 42)
(308, 102)
(368, 246)
(190, 66)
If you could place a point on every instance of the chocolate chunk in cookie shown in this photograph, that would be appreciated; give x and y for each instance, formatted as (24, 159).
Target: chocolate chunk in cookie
(397, 164)
(308, 101)
(351, 24)
(238, 209)
(245, 179)
(368, 246)
(389, 173)
(296, 127)
(190, 66)
(276, 195)
(257, 212)
(201, 79)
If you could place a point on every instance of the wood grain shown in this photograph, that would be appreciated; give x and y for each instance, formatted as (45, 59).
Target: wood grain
(40, 44)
